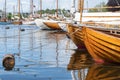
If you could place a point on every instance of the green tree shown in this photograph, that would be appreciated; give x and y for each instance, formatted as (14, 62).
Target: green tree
(9, 16)
(102, 4)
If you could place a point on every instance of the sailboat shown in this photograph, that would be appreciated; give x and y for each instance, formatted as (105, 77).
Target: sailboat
(49, 23)
(4, 18)
(18, 22)
(30, 20)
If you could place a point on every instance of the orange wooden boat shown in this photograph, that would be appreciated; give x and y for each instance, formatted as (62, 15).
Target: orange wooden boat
(102, 44)
(103, 72)
(17, 22)
(52, 25)
(75, 33)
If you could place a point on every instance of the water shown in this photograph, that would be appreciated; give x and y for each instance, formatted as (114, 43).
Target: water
(48, 55)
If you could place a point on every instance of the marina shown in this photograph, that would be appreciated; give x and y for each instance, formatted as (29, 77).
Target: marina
(45, 55)
(49, 41)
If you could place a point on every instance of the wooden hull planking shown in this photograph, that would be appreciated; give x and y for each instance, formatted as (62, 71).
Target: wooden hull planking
(76, 35)
(52, 25)
(103, 47)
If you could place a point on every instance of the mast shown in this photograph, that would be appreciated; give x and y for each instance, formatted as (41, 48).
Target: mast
(5, 10)
(57, 9)
(79, 5)
(19, 9)
(31, 7)
(40, 8)
(73, 7)
(81, 9)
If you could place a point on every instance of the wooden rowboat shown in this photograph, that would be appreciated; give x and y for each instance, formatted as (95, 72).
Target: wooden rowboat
(102, 44)
(52, 25)
(17, 22)
(75, 33)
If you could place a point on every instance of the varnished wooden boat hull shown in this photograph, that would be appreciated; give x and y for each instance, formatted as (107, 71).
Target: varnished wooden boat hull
(76, 35)
(17, 22)
(103, 46)
(52, 25)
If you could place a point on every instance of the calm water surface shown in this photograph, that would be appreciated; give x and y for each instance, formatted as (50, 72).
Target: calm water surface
(48, 55)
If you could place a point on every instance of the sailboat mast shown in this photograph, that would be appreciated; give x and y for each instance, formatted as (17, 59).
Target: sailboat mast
(31, 7)
(40, 8)
(73, 7)
(79, 5)
(81, 9)
(5, 9)
(57, 9)
(19, 9)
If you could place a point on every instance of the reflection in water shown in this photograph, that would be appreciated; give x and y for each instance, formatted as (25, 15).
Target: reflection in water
(80, 59)
(79, 64)
(19, 40)
(103, 72)
(42, 52)
(83, 68)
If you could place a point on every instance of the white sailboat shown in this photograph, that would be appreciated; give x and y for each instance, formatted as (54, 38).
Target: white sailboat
(39, 21)
(30, 21)
(18, 22)
(49, 22)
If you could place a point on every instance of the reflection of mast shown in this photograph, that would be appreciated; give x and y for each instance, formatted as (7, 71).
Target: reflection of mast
(5, 41)
(57, 53)
(73, 75)
(19, 37)
(40, 46)
(31, 40)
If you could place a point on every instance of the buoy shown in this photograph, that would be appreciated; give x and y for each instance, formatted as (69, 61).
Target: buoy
(8, 61)
(7, 27)
(22, 29)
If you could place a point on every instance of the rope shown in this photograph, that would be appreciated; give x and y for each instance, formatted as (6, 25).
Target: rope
(74, 31)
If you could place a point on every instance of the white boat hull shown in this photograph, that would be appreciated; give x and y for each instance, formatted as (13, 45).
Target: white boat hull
(39, 23)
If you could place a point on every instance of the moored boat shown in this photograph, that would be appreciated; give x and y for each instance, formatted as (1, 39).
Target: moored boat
(52, 25)
(17, 22)
(40, 24)
(76, 35)
(102, 44)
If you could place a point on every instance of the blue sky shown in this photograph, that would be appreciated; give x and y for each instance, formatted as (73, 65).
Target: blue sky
(46, 4)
